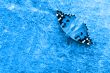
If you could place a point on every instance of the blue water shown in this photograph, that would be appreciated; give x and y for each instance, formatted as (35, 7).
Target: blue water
(31, 40)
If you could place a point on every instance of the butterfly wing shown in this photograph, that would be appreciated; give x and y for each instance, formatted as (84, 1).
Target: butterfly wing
(81, 34)
(78, 32)
(65, 20)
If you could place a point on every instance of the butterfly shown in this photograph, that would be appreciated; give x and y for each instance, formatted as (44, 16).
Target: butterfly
(73, 27)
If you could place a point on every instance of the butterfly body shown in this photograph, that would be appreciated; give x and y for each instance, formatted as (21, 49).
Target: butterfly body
(74, 27)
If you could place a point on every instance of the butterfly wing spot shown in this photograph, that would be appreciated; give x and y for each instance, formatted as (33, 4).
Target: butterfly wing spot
(67, 20)
(83, 41)
(81, 33)
(64, 25)
(62, 15)
(59, 19)
(56, 14)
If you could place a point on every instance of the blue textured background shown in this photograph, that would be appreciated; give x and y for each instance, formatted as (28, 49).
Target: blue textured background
(31, 40)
